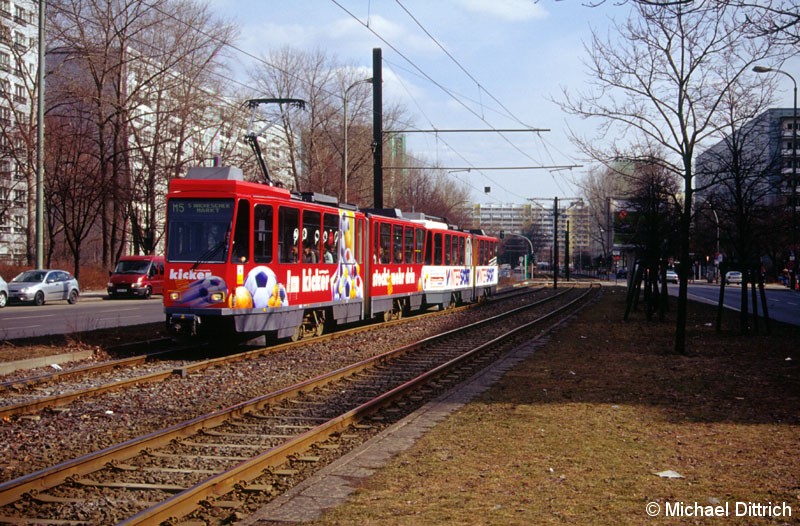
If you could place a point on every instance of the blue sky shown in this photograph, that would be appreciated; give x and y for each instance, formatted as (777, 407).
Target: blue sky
(519, 52)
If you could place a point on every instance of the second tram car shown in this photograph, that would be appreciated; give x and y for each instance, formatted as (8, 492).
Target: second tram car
(247, 259)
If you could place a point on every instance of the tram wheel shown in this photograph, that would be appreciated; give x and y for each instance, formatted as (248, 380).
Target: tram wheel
(298, 333)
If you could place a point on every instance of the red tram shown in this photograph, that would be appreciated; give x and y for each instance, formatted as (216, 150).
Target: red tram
(247, 259)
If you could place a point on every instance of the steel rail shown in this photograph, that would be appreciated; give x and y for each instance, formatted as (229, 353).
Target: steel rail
(47, 478)
(84, 370)
(34, 406)
(187, 501)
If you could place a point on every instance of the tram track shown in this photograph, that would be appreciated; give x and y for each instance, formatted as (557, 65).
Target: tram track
(37, 437)
(29, 395)
(291, 419)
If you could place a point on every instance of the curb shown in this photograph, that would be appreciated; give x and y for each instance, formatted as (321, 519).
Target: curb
(44, 361)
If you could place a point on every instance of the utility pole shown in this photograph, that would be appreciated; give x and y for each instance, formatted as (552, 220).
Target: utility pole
(377, 127)
(556, 212)
(566, 251)
(555, 242)
(40, 143)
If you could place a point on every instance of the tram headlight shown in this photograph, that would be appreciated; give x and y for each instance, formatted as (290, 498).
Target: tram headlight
(217, 297)
(175, 295)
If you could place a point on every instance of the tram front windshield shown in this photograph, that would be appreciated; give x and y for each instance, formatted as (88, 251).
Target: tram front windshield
(198, 230)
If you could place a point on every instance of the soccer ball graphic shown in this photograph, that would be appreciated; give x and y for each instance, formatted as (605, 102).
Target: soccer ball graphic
(263, 286)
(260, 282)
(241, 299)
(199, 292)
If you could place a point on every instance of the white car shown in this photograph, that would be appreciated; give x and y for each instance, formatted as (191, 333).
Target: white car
(38, 286)
(672, 277)
(3, 292)
(734, 276)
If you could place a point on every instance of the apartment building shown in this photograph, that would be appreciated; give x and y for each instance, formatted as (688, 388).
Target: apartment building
(766, 150)
(536, 220)
(18, 71)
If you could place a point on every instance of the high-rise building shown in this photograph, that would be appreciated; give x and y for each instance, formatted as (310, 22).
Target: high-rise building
(18, 71)
(765, 147)
(536, 220)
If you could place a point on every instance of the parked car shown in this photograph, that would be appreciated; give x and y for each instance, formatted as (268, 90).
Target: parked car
(41, 285)
(137, 276)
(672, 277)
(733, 276)
(3, 292)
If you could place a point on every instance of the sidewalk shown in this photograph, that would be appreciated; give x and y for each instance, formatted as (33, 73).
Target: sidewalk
(93, 295)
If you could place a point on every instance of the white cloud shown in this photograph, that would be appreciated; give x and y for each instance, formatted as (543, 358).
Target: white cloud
(350, 30)
(511, 10)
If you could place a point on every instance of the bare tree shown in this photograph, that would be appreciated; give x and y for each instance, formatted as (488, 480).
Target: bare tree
(294, 74)
(111, 58)
(175, 113)
(316, 136)
(778, 19)
(74, 201)
(662, 81)
(653, 214)
(599, 187)
(421, 189)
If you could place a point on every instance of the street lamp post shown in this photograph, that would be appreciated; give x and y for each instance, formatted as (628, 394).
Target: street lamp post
(716, 256)
(793, 273)
(344, 161)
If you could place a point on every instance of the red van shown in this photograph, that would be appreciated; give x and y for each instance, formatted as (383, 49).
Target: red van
(137, 276)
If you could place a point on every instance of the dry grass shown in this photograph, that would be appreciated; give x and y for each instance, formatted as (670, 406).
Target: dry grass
(576, 434)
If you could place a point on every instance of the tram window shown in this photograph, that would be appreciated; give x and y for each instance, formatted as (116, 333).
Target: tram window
(429, 249)
(312, 237)
(199, 229)
(447, 249)
(262, 234)
(483, 258)
(418, 251)
(330, 238)
(288, 234)
(241, 234)
(360, 230)
(397, 244)
(385, 243)
(376, 243)
(408, 245)
(460, 253)
(437, 249)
